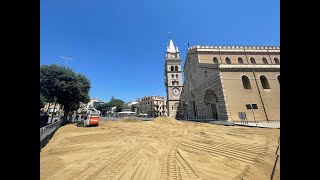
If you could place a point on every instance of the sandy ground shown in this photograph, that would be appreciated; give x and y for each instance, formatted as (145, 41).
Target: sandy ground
(160, 149)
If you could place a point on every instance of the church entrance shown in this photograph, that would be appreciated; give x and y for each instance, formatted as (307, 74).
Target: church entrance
(194, 109)
(214, 111)
(211, 102)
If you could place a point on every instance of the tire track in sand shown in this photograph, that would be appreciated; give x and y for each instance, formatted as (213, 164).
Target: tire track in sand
(111, 165)
(186, 166)
(170, 169)
(202, 148)
(117, 164)
(96, 166)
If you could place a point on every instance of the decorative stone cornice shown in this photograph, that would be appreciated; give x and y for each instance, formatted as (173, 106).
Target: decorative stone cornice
(173, 71)
(234, 47)
(238, 53)
(243, 67)
(174, 60)
(234, 50)
(249, 67)
(249, 70)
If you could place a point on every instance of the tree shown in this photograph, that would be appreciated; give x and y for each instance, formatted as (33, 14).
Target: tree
(152, 113)
(116, 102)
(104, 108)
(64, 86)
(42, 100)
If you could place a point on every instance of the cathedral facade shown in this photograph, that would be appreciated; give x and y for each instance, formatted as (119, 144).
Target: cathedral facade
(231, 83)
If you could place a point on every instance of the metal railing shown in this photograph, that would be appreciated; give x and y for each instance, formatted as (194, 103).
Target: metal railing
(266, 124)
(47, 130)
(130, 117)
(195, 119)
(199, 119)
(143, 118)
(204, 120)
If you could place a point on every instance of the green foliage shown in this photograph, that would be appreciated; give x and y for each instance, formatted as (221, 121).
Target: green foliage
(42, 100)
(103, 108)
(116, 102)
(64, 86)
(153, 113)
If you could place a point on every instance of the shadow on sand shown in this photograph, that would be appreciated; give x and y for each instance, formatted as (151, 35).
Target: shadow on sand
(46, 140)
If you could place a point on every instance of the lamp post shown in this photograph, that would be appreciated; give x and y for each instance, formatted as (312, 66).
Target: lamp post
(66, 59)
(187, 109)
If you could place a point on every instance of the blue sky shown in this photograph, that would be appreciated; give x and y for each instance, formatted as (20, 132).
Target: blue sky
(120, 45)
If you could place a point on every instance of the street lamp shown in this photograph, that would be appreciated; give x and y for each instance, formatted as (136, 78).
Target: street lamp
(187, 109)
(66, 59)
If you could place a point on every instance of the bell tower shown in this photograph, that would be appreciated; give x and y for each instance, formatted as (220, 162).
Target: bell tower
(173, 78)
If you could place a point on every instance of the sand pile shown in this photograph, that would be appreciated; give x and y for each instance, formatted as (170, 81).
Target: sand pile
(160, 149)
(165, 120)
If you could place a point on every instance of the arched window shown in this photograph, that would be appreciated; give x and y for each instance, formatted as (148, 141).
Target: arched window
(176, 68)
(228, 61)
(279, 79)
(172, 75)
(215, 60)
(172, 83)
(177, 83)
(265, 61)
(276, 60)
(177, 75)
(172, 68)
(253, 61)
(240, 60)
(246, 82)
(264, 82)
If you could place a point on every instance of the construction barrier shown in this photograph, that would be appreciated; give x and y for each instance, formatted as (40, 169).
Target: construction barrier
(49, 129)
